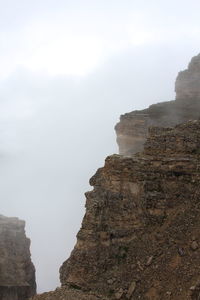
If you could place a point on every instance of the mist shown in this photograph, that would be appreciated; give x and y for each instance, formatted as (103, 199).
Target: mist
(57, 123)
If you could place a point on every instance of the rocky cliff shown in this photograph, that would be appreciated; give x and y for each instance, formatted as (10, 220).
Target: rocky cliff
(140, 236)
(187, 83)
(17, 273)
(132, 130)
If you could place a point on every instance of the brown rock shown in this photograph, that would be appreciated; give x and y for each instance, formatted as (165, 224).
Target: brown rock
(194, 245)
(131, 290)
(134, 197)
(195, 292)
(119, 294)
(149, 261)
(110, 281)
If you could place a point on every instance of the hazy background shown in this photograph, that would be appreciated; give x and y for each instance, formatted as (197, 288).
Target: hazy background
(68, 69)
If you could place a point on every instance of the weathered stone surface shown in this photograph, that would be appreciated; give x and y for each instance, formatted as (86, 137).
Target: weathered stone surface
(142, 221)
(194, 245)
(131, 290)
(17, 273)
(119, 294)
(69, 293)
(141, 206)
(132, 130)
(188, 82)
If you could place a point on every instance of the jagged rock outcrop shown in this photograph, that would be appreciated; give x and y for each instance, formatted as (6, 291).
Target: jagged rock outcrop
(132, 130)
(17, 273)
(140, 236)
(187, 84)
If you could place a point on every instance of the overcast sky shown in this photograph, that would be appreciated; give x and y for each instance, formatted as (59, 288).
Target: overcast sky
(68, 70)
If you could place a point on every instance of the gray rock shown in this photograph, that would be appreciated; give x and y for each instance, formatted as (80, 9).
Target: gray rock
(17, 276)
(149, 261)
(194, 246)
(119, 293)
(131, 290)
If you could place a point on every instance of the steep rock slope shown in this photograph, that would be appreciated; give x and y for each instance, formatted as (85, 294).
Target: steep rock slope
(187, 83)
(132, 130)
(17, 273)
(140, 234)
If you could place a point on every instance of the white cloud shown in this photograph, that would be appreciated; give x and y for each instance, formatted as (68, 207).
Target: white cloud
(75, 38)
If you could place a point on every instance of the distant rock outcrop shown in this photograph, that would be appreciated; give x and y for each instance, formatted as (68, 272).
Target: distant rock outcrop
(187, 84)
(132, 130)
(17, 273)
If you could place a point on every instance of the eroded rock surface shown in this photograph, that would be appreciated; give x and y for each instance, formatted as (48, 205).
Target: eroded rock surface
(188, 82)
(140, 236)
(142, 219)
(132, 130)
(17, 273)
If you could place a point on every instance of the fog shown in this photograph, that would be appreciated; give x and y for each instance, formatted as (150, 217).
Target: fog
(68, 70)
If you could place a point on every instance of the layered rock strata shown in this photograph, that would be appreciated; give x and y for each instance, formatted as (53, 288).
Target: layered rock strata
(132, 130)
(140, 236)
(187, 83)
(17, 273)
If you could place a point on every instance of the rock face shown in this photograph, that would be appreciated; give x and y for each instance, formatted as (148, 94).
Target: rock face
(140, 236)
(132, 130)
(188, 82)
(141, 221)
(17, 273)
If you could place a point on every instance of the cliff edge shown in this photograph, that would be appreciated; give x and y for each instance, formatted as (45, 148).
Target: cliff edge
(132, 130)
(140, 236)
(17, 273)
